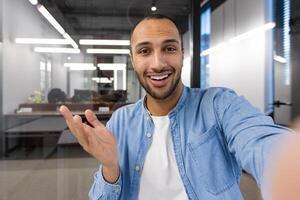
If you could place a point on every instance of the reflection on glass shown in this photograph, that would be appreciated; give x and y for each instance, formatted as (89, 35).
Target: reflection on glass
(205, 44)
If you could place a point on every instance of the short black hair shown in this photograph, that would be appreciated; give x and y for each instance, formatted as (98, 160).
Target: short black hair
(157, 16)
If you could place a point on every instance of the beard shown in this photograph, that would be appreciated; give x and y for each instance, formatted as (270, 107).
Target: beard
(159, 95)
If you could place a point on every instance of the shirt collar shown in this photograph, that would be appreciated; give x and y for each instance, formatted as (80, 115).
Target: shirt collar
(178, 106)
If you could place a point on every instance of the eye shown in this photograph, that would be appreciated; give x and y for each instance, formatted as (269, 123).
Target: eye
(170, 49)
(144, 51)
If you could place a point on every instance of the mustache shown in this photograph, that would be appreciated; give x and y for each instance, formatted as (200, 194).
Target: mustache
(159, 71)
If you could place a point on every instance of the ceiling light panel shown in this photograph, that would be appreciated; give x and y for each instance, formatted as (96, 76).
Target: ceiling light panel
(104, 42)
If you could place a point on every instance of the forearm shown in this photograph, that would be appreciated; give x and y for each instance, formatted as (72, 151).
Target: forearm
(111, 174)
(102, 189)
(282, 179)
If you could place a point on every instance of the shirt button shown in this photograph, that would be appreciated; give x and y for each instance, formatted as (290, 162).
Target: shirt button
(149, 135)
(116, 190)
(137, 168)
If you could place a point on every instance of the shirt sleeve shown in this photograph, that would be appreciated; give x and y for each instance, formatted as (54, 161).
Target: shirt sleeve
(250, 135)
(101, 189)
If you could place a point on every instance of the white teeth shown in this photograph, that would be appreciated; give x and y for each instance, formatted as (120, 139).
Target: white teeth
(159, 77)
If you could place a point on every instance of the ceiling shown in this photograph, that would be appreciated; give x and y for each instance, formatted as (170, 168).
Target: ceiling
(112, 19)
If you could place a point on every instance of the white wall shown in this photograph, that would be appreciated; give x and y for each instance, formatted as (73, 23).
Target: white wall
(245, 66)
(81, 79)
(77, 81)
(59, 73)
(21, 71)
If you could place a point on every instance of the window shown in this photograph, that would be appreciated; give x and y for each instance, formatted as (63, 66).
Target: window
(205, 44)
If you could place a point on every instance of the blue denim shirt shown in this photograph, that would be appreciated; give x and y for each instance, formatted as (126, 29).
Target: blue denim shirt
(215, 134)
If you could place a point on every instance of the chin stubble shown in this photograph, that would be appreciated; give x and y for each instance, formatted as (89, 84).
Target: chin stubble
(165, 96)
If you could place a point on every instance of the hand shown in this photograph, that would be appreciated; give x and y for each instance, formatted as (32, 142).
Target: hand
(295, 125)
(282, 178)
(96, 140)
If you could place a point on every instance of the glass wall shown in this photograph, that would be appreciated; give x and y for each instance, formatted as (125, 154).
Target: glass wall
(205, 44)
(73, 53)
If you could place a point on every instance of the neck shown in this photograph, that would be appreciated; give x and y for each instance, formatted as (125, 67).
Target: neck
(162, 107)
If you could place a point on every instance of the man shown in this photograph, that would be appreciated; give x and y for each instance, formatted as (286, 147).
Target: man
(177, 142)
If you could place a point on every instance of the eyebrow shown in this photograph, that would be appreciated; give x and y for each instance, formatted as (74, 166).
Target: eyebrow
(164, 42)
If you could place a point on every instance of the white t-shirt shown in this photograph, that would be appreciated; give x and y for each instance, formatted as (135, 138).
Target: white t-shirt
(160, 177)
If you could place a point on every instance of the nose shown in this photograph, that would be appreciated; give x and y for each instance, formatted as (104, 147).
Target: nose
(158, 61)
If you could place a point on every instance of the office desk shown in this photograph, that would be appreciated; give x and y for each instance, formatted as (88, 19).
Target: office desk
(40, 124)
(42, 127)
(43, 124)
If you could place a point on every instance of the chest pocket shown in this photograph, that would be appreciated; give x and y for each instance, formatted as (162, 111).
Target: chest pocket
(211, 161)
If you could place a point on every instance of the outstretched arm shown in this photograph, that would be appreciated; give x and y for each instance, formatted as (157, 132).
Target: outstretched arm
(98, 141)
(282, 180)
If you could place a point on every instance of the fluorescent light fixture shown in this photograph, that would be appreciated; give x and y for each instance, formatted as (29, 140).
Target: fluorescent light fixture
(280, 59)
(102, 80)
(79, 65)
(56, 50)
(104, 42)
(34, 2)
(95, 78)
(51, 19)
(253, 32)
(153, 8)
(70, 40)
(40, 41)
(111, 66)
(256, 31)
(82, 68)
(213, 49)
(108, 51)
(56, 25)
(115, 67)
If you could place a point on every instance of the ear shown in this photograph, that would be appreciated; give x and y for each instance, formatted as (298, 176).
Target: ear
(182, 53)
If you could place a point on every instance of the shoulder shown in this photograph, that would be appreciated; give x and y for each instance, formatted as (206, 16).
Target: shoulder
(126, 113)
(212, 94)
(129, 110)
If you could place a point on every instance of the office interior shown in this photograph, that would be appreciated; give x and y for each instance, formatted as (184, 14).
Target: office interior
(76, 53)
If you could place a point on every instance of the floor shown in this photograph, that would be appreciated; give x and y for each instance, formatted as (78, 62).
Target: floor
(63, 178)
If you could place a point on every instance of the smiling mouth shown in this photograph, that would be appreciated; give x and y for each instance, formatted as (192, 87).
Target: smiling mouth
(159, 77)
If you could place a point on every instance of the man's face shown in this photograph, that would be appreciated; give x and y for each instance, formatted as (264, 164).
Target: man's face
(157, 56)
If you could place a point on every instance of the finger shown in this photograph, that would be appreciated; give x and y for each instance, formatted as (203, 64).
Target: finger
(68, 117)
(66, 112)
(79, 130)
(92, 119)
(94, 142)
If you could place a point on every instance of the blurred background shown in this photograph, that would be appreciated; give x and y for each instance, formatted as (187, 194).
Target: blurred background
(76, 53)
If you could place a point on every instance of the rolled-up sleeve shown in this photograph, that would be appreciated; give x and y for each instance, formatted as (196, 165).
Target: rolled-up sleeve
(101, 189)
